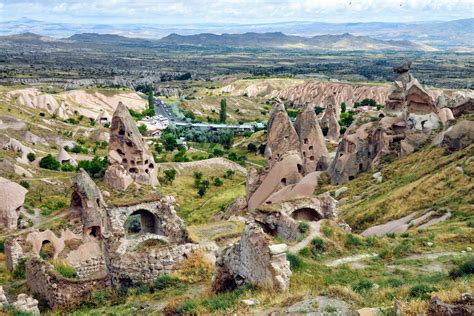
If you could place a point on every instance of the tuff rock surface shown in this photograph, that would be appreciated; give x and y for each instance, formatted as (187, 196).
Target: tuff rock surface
(129, 156)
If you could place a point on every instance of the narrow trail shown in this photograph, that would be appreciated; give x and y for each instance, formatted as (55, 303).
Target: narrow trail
(315, 232)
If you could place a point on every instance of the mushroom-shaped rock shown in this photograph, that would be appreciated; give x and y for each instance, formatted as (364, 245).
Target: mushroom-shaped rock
(312, 143)
(281, 136)
(12, 197)
(418, 101)
(128, 150)
(64, 157)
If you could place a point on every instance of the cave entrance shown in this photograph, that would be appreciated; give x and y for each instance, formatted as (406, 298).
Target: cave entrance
(306, 214)
(76, 200)
(47, 250)
(142, 221)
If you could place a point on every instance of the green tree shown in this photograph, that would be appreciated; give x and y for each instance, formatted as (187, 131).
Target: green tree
(31, 157)
(151, 101)
(169, 141)
(252, 147)
(343, 107)
(142, 129)
(170, 175)
(49, 162)
(218, 182)
(223, 112)
(202, 189)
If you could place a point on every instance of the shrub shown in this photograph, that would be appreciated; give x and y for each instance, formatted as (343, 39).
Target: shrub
(31, 157)
(170, 175)
(464, 269)
(166, 281)
(229, 174)
(218, 182)
(252, 147)
(422, 291)
(296, 263)
(95, 167)
(67, 167)
(353, 240)
(49, 162)
(217, 152)
(317, 246)
(362, 286)
(65, 269)
(20, 269)
(327, 231)
(142, 129)
(303, 227)
(142, 288)
(25, 184)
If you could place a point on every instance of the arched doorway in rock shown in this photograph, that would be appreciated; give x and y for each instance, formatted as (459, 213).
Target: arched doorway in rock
(47, 250)
(306, 214)
(76, 200)
(94, 231)
(142, 221)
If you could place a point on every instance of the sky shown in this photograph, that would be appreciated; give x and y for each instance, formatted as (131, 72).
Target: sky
(184, 12)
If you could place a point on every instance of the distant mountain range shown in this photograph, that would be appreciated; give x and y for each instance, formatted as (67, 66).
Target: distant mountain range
(457, 34)
(276, 40)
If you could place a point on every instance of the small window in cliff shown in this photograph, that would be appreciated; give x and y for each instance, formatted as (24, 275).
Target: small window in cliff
(310, 147)
(151, 166)
(351, 177)
(76, 200)
(133, 170)
(95, 231)
(300, 168)
(305, 140)
(124, 160)
(283, 181)
(361, 166)
(311, 158)
(98, 202)
(120, 152)
(146, 161)
(121, 132)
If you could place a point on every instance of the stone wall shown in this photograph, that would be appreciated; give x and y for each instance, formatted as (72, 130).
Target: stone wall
(59, 292)
(90, 268)
(145, 267)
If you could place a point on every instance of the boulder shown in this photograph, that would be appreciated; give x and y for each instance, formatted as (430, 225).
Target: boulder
(312, 144)
(463, 107)
(12, 197)
(459, 136)
(26, 304)
(250, 261)
(445, 115)
(129, 156)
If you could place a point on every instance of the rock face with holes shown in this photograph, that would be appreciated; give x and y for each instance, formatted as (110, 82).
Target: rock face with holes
(87, 196)
(411, 118)
(12, 197)
(292, 152)
(312, 144)
(129, 156)
(281, 136)
(330, 119)
(253, 260)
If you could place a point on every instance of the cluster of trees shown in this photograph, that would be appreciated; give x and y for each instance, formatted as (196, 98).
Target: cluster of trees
(202, 185)
(368, 102)
(346, 118)
(171, 134)
(95, 167)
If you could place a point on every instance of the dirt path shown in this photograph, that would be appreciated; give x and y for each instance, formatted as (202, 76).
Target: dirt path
(315, 232)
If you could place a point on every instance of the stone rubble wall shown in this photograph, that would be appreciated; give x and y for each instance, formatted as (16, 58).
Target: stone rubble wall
(60, 293)
(145, 267)
(90, 268)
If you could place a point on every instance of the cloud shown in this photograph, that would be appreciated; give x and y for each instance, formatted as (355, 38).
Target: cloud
(235, 11)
